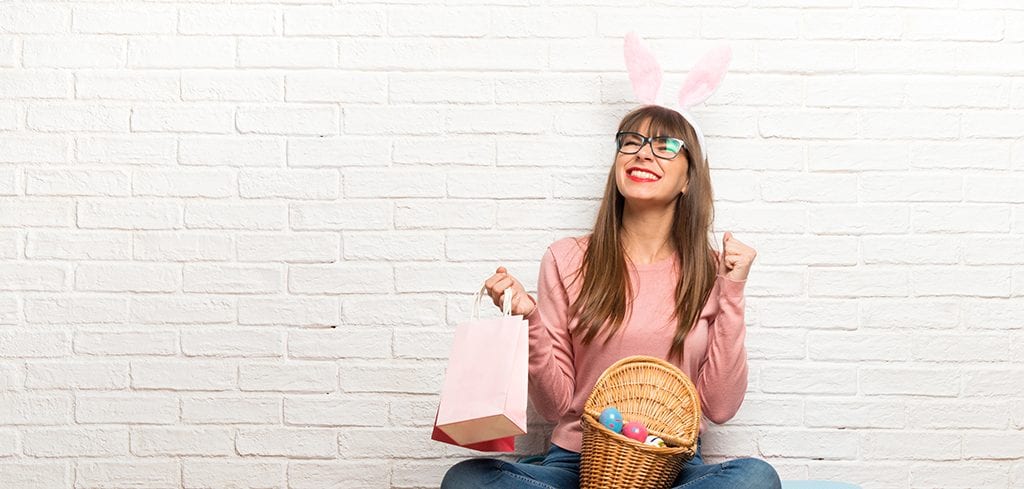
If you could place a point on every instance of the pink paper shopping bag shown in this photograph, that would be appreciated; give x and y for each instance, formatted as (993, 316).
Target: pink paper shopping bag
(483, 399)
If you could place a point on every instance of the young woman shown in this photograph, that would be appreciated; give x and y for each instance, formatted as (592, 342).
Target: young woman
(646, 281)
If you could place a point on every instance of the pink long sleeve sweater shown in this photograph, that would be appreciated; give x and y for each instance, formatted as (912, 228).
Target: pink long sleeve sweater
(563, 371)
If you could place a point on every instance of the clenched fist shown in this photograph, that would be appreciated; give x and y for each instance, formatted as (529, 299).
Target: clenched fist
(522, 303)
(736, 258)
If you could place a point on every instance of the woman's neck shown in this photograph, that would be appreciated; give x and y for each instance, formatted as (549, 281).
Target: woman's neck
(647, 235)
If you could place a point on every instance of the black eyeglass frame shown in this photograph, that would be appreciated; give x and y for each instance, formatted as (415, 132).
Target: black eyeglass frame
(644, 140)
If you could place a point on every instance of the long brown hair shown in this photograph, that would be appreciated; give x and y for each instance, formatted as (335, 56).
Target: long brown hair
(602, 303)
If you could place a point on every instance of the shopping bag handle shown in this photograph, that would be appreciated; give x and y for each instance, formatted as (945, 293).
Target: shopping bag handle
(506, 302)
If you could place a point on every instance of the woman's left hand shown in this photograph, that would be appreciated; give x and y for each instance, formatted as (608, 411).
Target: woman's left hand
(737, 258)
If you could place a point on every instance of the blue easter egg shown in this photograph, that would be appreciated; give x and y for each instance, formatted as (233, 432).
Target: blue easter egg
(611, 418)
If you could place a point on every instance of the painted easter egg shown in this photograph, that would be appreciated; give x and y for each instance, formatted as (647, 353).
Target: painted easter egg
(611, 418)
(635, 430)
(653, 440)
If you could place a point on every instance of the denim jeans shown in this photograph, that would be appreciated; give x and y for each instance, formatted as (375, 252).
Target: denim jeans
(560, 469)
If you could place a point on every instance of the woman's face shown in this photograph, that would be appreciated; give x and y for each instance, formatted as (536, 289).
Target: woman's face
(643, 178)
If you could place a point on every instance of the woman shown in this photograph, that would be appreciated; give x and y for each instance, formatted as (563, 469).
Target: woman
(646, 281)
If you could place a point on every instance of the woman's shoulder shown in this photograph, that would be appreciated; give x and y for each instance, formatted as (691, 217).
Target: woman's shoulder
(569, 248)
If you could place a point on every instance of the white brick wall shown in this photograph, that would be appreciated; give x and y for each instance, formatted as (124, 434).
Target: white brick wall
(235, 237)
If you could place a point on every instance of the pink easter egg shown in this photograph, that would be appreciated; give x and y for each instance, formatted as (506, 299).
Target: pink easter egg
(635, 430)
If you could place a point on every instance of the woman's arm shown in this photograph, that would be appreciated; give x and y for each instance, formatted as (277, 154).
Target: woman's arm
(552, 375)
(722, 380)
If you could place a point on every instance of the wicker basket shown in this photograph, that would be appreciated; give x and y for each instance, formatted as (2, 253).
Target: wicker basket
(663, 398)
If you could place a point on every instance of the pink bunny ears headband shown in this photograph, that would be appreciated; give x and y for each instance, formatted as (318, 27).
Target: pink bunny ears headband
(645, 74)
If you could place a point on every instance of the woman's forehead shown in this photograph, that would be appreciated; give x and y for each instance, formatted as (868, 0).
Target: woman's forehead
(650, 127)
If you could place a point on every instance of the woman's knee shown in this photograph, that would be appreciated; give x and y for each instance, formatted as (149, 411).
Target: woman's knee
(757, 473)
(471, 474)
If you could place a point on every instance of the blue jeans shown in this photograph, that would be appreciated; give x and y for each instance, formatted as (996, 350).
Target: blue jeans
(561, 470)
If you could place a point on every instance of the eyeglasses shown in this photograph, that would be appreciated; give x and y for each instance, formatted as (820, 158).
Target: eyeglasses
(663, 147)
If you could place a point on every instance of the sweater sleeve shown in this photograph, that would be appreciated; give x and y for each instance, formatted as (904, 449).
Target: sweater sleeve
(722, 380)
(552, 375)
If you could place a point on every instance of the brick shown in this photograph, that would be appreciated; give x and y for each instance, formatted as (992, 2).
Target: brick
(36, 474)
(177, 441)
(89, 52)
(33, 409)
(181, 52)
(137, 149)
(422, 343)
(176, 183)
(112, 183)
(823, 444)
(123, 277)
(335, 412)
(233, 342)
(934, 414)
(187, 375)
(992, 381)
(134, 473)
(292, 247)
(288, 442)
(131, 215)
(288, 377)
(232, 279)
(125, 409)
(961, 281)
(198, 473)
(856, 346)
(910, 250)
(374, 443)
(351, 215)
(115, 85)
(862, 281)
(909, 313)
(178, 246)
(231, 151)
(343, 278)
(250, 216)
(913, 445)
(77, 375)
(403, 378)
(809, 379)
(227, 86)
(396, 310)
(230, 409)
(917, 381)
(353, 474)
(78, 245)
(182, 309)
(26, 276)
(397, 245)
(75, 442)
(340, 151)
(335, 87)
(401, 183)
(434, 214)
(958, 474)
(187, 118)
(340, 343)
(288, 311)
(854, 413)
(226, 20)
(124, 19)
(33, 344)
(287, 53)
(289, 184)
(76, 310)
(814, 187)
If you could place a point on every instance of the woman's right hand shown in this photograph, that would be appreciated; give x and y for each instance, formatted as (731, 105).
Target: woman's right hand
(522, 303)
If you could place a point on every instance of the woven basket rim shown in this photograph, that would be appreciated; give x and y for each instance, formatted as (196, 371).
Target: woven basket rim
(618, 438)
(591, 410)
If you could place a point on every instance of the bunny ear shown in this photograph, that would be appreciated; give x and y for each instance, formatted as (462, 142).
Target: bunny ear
(705, 77)
(644, 71)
